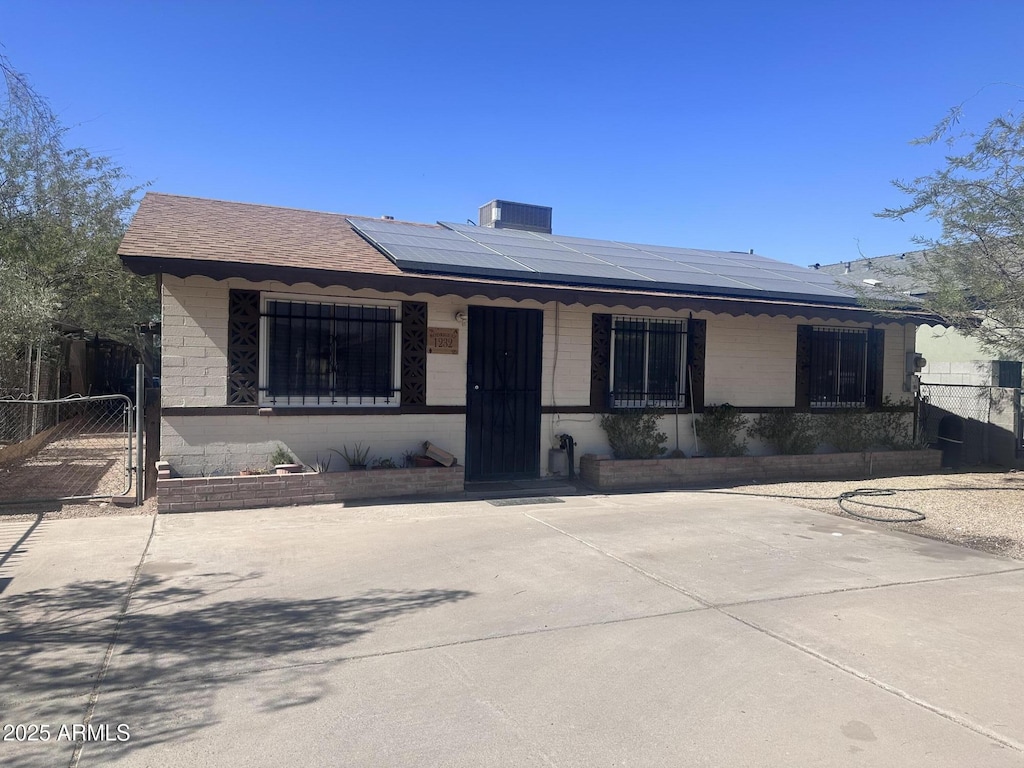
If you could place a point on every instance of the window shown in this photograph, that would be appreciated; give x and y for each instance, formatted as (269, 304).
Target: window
(329, 353)
(648, 359)
(1008, 374)
(839, 367)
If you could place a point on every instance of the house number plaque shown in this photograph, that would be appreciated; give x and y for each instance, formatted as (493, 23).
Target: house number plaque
(443, 341)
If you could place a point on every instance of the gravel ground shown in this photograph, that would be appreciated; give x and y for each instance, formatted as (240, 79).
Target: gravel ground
(981, 510)
(57, 511)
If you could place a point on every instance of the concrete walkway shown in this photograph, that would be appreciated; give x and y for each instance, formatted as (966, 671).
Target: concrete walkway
(670, 629)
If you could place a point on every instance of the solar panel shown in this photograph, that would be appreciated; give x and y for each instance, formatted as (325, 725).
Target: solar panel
(460, 244)
(434, 249)
(485, 232)
(817, 278)
(548, 268)
(618, 253)
(463, 249)
(675, 253)
(429, 256)
(695, 279)
(514, 250)
(398, 227)
(668, 268)
(791, 288)
(637, 261)
(579, 240)
(691, 260)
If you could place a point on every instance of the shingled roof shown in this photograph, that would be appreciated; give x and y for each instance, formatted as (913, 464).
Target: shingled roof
(894, 271)
(176, 227)
(184, 236)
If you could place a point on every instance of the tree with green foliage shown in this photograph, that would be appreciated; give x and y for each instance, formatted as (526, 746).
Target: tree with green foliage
(63, 212)
(972, 274)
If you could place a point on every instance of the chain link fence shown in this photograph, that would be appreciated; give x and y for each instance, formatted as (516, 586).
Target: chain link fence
(62, 450)
(991, 419)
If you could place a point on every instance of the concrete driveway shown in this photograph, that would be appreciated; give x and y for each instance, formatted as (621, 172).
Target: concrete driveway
(670, 629)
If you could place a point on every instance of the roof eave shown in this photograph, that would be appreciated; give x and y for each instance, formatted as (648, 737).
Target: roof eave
(411, 284)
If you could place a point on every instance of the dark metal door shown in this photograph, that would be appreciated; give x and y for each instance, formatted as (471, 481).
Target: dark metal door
(503, 393)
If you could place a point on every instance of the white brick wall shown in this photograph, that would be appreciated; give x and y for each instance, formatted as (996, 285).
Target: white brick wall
(194, 342)
(220, 445)
(975, 372)
(751, 361)
(898, 341)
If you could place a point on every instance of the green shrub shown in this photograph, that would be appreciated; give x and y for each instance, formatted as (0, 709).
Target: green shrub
(785, 431)
(634, 434)
(892, 427)
(848, 431)
(281, 456)
(718, 429)
(357, 457)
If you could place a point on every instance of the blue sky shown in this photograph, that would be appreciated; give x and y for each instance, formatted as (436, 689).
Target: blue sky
(775, 126)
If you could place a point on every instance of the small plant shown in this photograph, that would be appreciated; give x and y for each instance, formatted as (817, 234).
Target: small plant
(848, 431)
(322, 464)
(281, 456)
(357, 457)
(385, 463)
(786, 432)
(718, 429)
(408, 458)
(892, 427)
(634, 434)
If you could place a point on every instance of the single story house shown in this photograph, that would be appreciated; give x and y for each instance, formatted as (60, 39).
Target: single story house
(314, 331)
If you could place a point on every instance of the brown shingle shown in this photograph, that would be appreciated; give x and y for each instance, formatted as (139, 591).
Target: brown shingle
(176, 227)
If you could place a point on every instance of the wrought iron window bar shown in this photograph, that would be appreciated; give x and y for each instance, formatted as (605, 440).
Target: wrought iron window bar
(330, 354)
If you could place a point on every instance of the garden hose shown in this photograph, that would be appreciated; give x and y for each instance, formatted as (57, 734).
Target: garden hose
(849, 497)
(913, 516)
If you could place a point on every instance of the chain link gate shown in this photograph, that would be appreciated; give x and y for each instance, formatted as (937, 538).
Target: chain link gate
(972, 403)
(73, 449)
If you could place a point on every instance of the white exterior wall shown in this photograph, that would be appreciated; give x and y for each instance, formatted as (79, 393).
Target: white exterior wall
(194, 342)
(948, 345)
(976, 373)
(954, 358)
(896, 379)
(750, 362)
(220, 445)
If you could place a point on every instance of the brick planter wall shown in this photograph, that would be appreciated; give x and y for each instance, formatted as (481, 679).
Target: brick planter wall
(196, 494)
(610, 474)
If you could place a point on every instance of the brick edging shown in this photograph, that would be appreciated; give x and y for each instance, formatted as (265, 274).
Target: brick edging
(198, 494)
(610, 474)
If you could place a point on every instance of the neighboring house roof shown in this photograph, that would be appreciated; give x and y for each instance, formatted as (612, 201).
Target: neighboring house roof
(185, 236)
(894, 272)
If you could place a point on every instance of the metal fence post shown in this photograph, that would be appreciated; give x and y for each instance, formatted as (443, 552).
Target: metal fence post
(140, 404)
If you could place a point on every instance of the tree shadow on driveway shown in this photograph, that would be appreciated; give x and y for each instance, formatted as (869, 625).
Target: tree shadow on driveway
(183, 641)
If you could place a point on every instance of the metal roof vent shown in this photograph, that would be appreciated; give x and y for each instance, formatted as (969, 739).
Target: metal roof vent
(501, 214)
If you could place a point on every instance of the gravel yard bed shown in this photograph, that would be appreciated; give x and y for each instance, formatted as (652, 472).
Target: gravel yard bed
(981, 510)
(58, 511)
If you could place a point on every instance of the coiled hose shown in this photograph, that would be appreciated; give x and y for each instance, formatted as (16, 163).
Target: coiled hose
(846, 498)
(912, 516)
